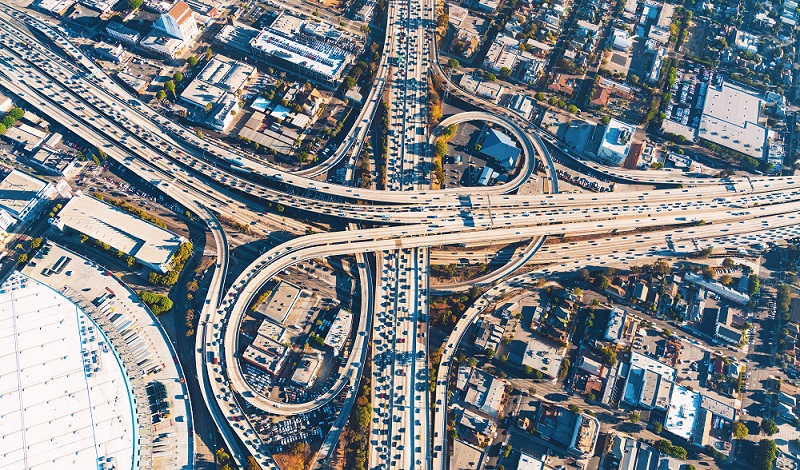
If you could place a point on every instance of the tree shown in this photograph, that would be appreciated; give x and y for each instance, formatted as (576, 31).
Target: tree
(658, 427)
(527, 369)
(16, 113)
(192, 61)
(507, 450)
(472, 362)
(36, 243)
(602, 282)
(728, 263)
(584, 275)
(769, 427)
(609, 356)
(169, 86)
(574, 408)
(505, 71)
(766, 452)
(349, 83)
(209, 53)
(635, 417)
(725, 279)
(135, 4)
(161, 95)
(492, 77)
(83, 238)
(708, 272)
(661, 267)
(177, 76)
(3, 128)
(490, 353)
(739, 430)
(453, 63)
(252, 463)
(572, 109)
(23, 258)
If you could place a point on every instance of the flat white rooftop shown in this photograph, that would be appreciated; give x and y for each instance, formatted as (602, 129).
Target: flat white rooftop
(18, 191)
(226, 73)
(643, 362)
(64, 399)
(144, 241)
(730, 119)
(682, 412)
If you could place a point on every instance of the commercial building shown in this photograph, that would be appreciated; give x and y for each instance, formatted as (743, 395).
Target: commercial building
(137, 84)
(150, 245)
(616, 324)
(216, 85)
(731, 118)
(280, 303)
(466, 456)
(65, 400)
(523, 105)
(56, 8)
(648, 383)
(725, 292)
(122, 33)
(543, 355)
(485, 392)
(616, 142)
(576, 432)
(501, 148)
(111, 53)
(266, 354)
(5, 103)
(484, 88)
(306, 370)
(291, 44)
(22, 197)
(25, 136)
(365, 12)
(339, 332)
(173, 32)
(489, 333)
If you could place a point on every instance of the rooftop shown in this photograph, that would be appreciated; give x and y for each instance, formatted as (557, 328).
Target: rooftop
(466, 456)
(64, 399)
(682, 412)
(340, 330)
(144, 241)
(226, 73)
(281, 302)
(307, 369)
(731, 119)
(25, 135)
(18, 190)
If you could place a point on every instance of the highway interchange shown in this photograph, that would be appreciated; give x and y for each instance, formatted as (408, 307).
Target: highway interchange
(197, 173)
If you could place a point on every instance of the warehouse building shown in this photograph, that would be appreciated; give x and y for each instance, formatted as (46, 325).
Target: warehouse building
(22, 198)
(150, 245)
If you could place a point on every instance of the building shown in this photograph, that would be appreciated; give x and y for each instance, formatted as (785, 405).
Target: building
(280, 302)
(150, 245)
(138, 84)
(692, 416)
(485, 393)
(115, 54)
(490, 90)
(57, 8)
(731, 118)
(723, 291)
(122, 33)
(489, 333)
(648, 383)
(466, 456)
(543, 355)
(5, 103)
(289, 44)
(501, 148)
(103, 6)
(478, 427)
(576, 432)
(365, 12)
(339, 332)
(616, 142)
(25, 136)
(306, 370)
(78, 408)
(173, 32)
(22, 198)
(529, 462)
(266, 354)
(179, 23)
(616, 325)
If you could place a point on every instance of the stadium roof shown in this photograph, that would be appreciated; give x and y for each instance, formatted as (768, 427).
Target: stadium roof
(64, 398)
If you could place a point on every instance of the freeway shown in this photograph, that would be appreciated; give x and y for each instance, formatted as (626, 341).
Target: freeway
(639, 248)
